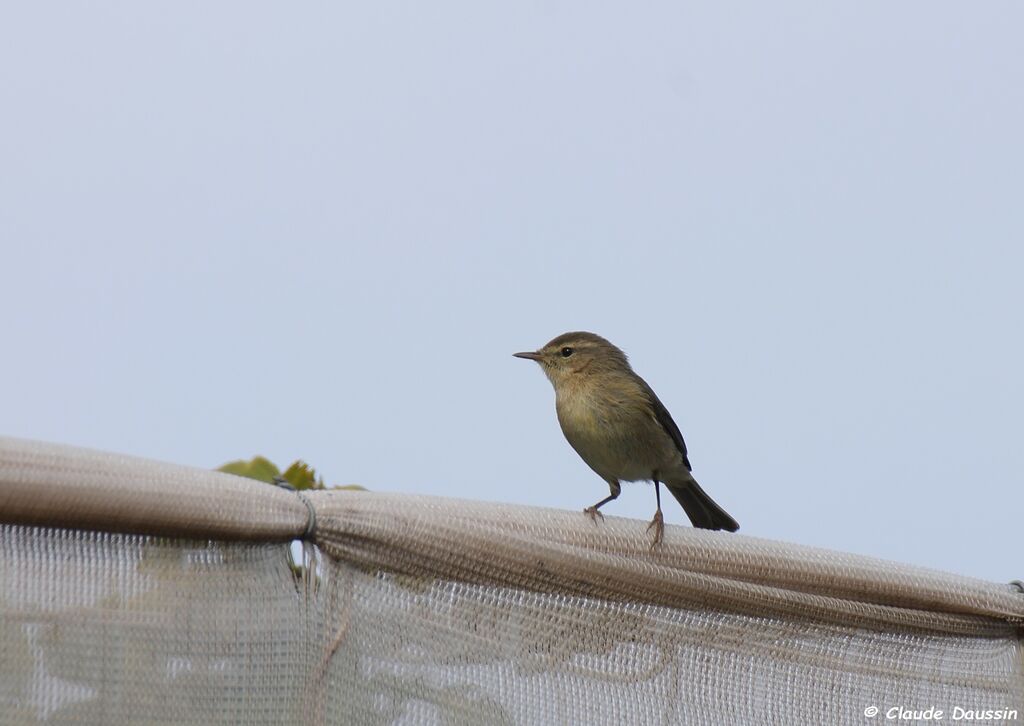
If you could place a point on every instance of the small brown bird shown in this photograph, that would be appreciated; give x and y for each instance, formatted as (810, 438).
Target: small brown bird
(613, 420)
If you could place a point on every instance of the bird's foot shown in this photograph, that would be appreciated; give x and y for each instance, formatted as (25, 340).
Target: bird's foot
(594, 513)
(658, 523)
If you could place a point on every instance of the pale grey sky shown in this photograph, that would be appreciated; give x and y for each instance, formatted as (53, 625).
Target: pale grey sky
(320, 230)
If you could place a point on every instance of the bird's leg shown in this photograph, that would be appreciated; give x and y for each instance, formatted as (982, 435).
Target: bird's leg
(616, 489)
(659, 521)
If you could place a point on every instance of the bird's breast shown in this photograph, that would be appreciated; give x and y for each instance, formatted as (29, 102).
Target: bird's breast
(614, 435)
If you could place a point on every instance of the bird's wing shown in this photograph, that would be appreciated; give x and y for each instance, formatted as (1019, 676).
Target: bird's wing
(665, 419)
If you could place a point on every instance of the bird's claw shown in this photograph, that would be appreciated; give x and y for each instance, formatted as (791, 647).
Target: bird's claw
(659, 528)
(594, 513)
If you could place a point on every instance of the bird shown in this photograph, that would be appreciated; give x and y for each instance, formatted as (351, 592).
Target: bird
(619, 427)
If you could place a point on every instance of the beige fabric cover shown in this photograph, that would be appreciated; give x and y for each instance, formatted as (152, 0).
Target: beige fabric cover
(142, 593)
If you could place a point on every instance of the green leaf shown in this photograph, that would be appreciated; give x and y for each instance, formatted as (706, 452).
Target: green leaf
(302, 476)
(258, 467)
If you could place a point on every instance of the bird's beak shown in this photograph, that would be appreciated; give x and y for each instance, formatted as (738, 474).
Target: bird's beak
(528, 356)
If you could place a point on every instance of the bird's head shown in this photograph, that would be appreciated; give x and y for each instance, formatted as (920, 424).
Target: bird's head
(573, 355)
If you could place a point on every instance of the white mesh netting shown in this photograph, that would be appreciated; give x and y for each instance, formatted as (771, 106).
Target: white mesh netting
(141, 593)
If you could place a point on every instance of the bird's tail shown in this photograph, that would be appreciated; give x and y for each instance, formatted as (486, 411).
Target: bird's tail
(700, 508)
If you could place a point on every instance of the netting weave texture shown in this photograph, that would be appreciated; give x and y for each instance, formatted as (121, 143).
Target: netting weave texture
(417, 610)
(112, 629)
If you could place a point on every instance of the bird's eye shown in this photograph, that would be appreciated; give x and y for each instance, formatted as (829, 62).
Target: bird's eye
(566, 352)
